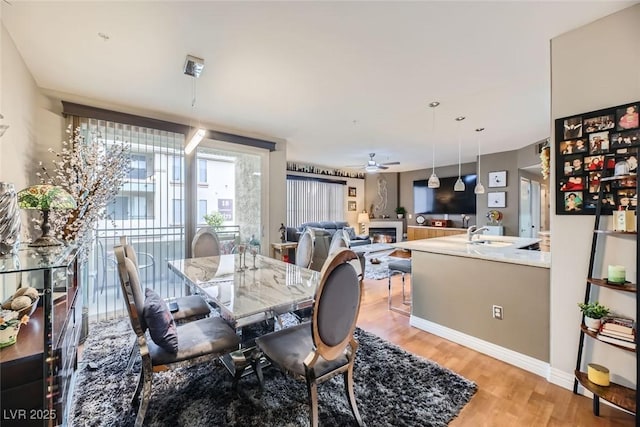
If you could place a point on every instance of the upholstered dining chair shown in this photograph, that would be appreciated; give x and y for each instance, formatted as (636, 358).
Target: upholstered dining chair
(205, 243)
(190, 307)
(304, 250)
(202, 340)
(340, 240)
(318, 350)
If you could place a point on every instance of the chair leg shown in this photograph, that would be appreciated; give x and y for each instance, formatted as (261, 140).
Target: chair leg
(348, 387)
(147, 376)
(136, 393)
(312, 388)
(132, 355)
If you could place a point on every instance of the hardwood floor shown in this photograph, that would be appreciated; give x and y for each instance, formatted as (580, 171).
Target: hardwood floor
(506, 396)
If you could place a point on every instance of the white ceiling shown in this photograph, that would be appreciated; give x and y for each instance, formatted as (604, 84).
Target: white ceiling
(337, 80)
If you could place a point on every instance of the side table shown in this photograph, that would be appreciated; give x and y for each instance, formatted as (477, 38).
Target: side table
(282, 251)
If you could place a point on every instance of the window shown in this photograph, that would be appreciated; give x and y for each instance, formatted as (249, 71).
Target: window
(202, 210)
(314, 200)
(138, 207)
(177, 169)
(118, 209)
(138, 166)
(177, 211)
(202, 171)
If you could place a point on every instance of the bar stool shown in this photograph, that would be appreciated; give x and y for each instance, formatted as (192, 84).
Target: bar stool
(403, 267)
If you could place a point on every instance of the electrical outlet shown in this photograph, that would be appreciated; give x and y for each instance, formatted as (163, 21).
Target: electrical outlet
(497, 312)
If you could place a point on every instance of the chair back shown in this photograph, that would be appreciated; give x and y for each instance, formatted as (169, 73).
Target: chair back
(339, 240)
(304, 251)
(336, 305)
(205, 243)
(130, 283)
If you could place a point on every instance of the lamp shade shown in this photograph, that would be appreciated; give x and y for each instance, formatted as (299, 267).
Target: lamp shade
(363, 218)
(45, 197)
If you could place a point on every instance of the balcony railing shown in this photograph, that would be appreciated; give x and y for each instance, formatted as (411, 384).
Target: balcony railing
(154, 247)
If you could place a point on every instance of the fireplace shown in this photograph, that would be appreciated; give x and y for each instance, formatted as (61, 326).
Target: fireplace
(385, 231)
(382, 235)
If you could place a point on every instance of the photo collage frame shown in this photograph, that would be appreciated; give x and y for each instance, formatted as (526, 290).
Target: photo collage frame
(588, 146)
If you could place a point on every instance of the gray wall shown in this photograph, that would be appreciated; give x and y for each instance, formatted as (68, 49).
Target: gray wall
(450, 296)
(578, 89)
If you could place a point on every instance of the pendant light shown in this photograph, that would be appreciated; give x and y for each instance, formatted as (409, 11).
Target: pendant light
(193, 67)
(479, 187)
(434, 181)
(459, 185)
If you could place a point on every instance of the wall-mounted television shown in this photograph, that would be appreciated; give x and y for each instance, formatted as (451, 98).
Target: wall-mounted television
(444, 200)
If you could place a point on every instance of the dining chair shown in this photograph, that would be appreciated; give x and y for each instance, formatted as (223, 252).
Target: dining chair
(183, 309)
(318, 350)
(340, 239)
(190, 307)
(199, 341)
(304, 250)
(205, 243)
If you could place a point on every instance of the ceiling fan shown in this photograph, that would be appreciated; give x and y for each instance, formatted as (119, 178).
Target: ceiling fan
(373, 166)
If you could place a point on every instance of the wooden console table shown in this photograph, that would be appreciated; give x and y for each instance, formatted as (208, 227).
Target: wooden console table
(282, 251)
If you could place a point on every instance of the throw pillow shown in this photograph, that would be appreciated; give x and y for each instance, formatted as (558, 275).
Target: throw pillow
(351, 232)
(162, 327)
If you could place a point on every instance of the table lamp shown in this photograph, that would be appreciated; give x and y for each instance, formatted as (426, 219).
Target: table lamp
(363, 219)
(45, 197)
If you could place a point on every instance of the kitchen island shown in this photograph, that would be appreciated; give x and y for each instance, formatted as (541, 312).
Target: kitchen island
(456, 284)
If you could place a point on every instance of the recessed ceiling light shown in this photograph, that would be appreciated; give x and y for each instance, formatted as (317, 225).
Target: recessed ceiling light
(103, 36)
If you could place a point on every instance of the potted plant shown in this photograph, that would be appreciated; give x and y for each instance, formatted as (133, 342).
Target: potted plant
(400, 211)
(593, 313)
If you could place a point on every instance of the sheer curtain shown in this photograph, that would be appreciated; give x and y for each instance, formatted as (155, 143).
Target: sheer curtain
(312, 199)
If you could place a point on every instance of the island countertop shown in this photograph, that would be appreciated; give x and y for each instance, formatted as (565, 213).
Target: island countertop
(493, 248)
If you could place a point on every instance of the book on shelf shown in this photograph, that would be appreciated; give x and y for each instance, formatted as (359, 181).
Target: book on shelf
(620, 335)
(618, 324)
(617, 341)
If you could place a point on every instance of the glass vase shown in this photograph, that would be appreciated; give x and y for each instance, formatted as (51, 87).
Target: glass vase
(9, 219)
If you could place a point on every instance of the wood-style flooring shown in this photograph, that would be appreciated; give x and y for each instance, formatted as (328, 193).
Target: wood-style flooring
(506, 396)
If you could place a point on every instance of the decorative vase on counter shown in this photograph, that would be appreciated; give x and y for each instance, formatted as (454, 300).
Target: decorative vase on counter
(9, 219)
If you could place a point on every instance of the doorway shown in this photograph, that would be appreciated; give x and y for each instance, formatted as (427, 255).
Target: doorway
(530, 207)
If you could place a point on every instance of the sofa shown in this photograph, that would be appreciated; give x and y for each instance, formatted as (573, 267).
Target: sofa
(322, 234)
(330, 227)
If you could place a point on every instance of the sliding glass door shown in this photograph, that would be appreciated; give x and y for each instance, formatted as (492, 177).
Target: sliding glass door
(230, 192)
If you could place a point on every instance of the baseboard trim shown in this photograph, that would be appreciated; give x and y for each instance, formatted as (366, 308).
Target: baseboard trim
(561, 378)
(520, 360)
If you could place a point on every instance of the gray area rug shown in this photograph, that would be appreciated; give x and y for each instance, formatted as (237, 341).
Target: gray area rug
(392, 387)
(379, 270)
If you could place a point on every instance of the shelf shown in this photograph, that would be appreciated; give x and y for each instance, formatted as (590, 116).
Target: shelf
(617, 178)
(617, 394)
(631, 233)
(594, 335)
(627, 287)
(29, 343)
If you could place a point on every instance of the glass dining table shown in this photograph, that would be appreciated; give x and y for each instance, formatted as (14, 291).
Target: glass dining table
(259, 289)
(248, 294)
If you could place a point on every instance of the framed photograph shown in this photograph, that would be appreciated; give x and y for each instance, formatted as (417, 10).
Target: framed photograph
(573, 201)
(594, 163)
(352, 192)
(573, 146)
(352, 206)
(572, 183)
(595, 124)
(497, 199)
(598, 142)
(572, 127)
(627, 117)
(497, 179)
(573, 165)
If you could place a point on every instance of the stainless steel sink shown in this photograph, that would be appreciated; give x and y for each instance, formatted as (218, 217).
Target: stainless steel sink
(492, 243)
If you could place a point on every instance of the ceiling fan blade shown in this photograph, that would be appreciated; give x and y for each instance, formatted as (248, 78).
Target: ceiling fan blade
(382, 167)
(390, 163)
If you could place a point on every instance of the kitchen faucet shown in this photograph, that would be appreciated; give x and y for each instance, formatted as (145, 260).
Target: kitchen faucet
(473, 230)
